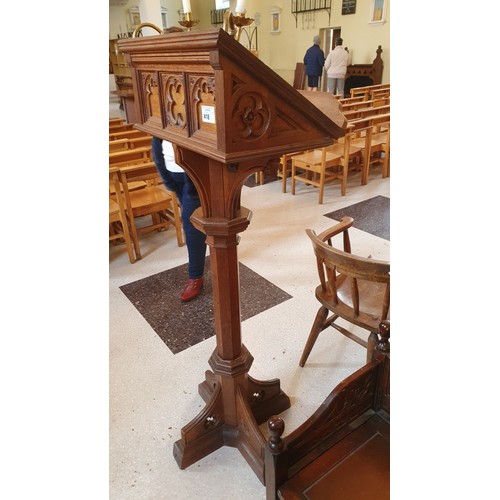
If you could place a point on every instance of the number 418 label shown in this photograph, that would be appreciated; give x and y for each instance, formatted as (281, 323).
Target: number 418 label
(208, 114)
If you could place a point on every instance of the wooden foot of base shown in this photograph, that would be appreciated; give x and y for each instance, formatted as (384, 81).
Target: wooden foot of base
(233, 422)
(203, 435)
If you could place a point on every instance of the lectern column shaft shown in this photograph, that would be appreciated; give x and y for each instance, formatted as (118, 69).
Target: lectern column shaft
(222, 239)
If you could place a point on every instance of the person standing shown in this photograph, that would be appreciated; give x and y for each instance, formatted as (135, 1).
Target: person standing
(314, 60)
(176, 179)
(336, 68)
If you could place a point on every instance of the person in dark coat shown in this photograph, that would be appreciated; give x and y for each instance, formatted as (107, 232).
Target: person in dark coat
(314, 60)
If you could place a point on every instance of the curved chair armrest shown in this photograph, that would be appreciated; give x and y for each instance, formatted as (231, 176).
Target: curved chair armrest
(344, 224)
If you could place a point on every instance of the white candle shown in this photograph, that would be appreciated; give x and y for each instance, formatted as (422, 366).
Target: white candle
(186, 6)
(240, 7)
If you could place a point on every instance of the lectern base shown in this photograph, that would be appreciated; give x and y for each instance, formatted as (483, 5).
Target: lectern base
(210, 429)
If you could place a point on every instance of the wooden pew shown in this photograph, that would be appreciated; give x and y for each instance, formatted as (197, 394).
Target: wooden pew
(365, 91)
(116, 121)
(127, 134)
(346, 101)
(343, 450)
(130, 143)
(121, 127)
(366, 112)
(130, 156)
(358, 103)
(118, 145)
(380, 93)
(139, 142)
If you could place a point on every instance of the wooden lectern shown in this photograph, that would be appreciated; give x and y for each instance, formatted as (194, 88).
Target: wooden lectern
(230, 116)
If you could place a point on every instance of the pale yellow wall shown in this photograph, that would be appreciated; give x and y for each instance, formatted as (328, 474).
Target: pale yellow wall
(282, 51)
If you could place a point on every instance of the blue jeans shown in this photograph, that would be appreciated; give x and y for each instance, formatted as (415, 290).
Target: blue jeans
(181, 184)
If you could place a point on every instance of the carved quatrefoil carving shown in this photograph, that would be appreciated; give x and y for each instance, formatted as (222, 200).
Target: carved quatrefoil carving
(251, 116)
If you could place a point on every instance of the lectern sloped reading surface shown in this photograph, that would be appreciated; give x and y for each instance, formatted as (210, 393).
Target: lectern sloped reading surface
(229, 116)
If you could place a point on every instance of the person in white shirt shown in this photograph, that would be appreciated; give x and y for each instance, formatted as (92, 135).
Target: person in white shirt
(336, 68)
(176, 179)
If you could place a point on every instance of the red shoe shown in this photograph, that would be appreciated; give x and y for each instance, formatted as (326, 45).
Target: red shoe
(192, 290)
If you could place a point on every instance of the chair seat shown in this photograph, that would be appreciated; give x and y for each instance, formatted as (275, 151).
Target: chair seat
(338, 148)
(150, 197)
(314, 157)
(379, 139)
(371, 294)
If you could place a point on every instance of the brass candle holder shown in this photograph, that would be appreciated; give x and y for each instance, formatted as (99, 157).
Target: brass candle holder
(233, 24)
(187, 21)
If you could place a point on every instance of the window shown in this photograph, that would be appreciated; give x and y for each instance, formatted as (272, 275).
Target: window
(221, 4)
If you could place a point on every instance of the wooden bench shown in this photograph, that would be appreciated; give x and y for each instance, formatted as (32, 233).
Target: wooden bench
(130, 156)
(380, 93)
(121, 127)
(127, 134)
(366, 112)
(365, 92)
(343, 450)
(346, 101)
(116, 121)
(358, 103)
(118, 145)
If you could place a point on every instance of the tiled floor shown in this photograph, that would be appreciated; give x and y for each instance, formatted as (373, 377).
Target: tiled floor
(159, 348)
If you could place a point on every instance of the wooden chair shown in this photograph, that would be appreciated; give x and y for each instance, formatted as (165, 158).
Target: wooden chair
(351, 287)
(380, 93)
(116, 121)
(343, 450)
(372, 134)
(364, 112)
(358, 103)
(121, 127)
(366, 91)
(348, 101)
(119, 224)
(321, 166)
(380, 148)
(285, 162)
(130, 156)
(118, 145)
(128, 134)
(139, 142)
(152, 200)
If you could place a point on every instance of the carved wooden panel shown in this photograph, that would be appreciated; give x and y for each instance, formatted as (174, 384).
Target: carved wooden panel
(150, 96)
(173, 100)
(350, 401)
(202, 91)
(212, 96)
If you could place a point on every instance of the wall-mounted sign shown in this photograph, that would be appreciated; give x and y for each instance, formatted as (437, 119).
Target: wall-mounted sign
(348, 7)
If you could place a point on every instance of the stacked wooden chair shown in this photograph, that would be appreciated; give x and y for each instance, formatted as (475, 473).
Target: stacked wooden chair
(148, 205)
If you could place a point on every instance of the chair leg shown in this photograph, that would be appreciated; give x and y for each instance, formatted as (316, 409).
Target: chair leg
(284, 159)
(317, 328)
(343, 186)
(322, 176)
(385, 164)
(370, 348)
